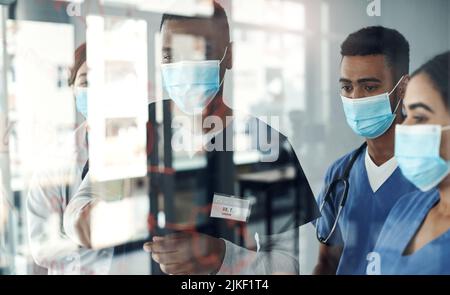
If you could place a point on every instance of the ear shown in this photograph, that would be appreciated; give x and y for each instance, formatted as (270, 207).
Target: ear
(229, 57)
(402, 86)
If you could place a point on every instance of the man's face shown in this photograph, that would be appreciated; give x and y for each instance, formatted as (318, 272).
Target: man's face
(364, 76)
(193, 40)
(196, 40)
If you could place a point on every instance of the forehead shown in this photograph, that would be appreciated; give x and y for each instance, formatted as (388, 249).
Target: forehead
(356, 67)
(203, 28)
(421, 90)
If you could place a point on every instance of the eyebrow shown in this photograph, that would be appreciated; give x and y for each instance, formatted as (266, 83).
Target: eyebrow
(342, 80)
(83, 75)
(360, 81)
(420, 105)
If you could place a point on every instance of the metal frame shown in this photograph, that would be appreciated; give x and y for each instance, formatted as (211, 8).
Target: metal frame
(11, 234)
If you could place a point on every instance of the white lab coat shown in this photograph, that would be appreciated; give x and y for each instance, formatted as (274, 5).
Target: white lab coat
(47, 200)
(237, 260)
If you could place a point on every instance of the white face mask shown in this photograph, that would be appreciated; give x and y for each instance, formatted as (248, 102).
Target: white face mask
(370, 117)
(81, 101)
(417, 150)
(192, 85)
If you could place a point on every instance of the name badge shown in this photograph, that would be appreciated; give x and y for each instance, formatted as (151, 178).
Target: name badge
(230, 208)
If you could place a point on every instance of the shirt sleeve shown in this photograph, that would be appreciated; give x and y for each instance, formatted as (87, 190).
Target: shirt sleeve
(49, 245)
(85, 195)
(279, 258)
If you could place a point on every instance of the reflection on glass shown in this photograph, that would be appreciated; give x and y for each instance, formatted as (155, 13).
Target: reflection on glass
(269, 71)
(37, 87)
(122, 217)
(117, 62)
(269, 13)
(185, 7)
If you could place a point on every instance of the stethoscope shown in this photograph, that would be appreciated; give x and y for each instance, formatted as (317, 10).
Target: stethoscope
(343, 180)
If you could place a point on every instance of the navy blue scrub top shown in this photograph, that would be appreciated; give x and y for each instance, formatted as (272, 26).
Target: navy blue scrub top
(400, 228)
(364, 213)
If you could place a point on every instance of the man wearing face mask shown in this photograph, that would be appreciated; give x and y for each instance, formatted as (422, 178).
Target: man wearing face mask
(201, 243)
(362, 186)
(196, 87)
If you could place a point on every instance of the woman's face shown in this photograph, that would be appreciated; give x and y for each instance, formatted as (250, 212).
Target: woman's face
(424, 105)
(80, 91)
(81, 78)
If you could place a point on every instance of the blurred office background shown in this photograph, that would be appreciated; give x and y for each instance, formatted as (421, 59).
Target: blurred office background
(286, 64)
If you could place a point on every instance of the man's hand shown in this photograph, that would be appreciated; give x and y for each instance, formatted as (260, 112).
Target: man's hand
(83, 225)
(187, 253)
(329, 257)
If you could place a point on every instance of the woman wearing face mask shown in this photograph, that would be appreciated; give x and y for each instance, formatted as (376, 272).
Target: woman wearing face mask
(51, 190)
(416, 236)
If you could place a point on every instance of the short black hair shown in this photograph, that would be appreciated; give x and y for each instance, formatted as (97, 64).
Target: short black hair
(380, 40)
(437, 69)
(219, 15)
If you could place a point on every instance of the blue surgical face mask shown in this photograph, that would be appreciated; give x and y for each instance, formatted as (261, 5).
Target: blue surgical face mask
(192, 85)
(81, 101)
(372, 116)
(417, 151)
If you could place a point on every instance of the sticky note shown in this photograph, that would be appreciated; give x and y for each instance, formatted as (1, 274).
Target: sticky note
(232, 208)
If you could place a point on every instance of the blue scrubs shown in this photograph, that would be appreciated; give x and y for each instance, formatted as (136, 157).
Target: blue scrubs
(363, 214)
(400, 228)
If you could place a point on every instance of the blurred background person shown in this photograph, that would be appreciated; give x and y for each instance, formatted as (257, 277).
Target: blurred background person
(51, 192)
(194, 78)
